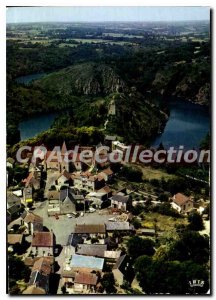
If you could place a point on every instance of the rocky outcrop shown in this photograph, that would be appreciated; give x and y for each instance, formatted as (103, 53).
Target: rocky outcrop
(84, 79)
(203, 95)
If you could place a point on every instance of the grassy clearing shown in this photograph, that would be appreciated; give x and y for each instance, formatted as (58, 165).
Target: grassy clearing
(164, 223)
(151, 173)
(67, 45)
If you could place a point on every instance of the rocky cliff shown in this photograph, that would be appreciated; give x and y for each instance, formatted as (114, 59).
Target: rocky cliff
(84, 79)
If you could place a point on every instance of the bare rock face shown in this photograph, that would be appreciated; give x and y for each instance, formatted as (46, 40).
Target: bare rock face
(203, 95)
(84, 79)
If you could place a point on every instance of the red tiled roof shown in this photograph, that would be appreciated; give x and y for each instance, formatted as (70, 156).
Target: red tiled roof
(14, 239)
(42, 239)
(86, 278)
(90, 228)
(105, 189)
(32, 218)
(180, 199)
(43, 265)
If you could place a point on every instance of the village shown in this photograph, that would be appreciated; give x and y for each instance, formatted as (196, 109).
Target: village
(70, 225)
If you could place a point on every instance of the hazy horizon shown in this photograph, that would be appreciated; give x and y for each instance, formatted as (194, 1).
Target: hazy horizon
(95, 14)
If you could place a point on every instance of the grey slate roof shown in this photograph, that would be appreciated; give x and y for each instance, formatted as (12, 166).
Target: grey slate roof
(39, 279)
(91, 250)
(68, 193)
(111, 226)
(74, 240)
(12, 199)
(120, 198)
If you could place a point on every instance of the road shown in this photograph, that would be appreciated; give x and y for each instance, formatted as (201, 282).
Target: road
(63, 227)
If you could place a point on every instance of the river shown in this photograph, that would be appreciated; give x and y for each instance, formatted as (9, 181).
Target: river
(27, 79)
(188, 123)
(35, 125)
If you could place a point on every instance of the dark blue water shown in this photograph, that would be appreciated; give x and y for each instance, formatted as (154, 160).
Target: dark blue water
(27, 79)
(35, 125)
(188, 124)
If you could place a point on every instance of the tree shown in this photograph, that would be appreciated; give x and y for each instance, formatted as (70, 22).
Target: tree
(173, 277)
(137, 246)
(17, 269)
(195, 221)
(164, 197)
(191, 246)
(136, 223)
(131, 173)
(108, 283)
(63, 289)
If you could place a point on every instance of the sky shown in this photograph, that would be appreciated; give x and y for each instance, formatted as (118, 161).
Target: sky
(99, 14)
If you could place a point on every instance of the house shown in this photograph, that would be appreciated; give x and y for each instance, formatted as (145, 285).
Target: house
(64, 178)
(27, 195)
(67, 202)
(10, 162)
(77, 180)
(100, 198)
(40, 273)
(120, 147)
(40, 280)
(56, 161)
(112, 256)
(14, 240)
(88, 182)
(33, 222)
(91, 250)
(85, 282)
(81, 262)
(121, 202)
(53, 202)
(91, 230)
(53, 195)
(93, 182)
(12, 199)
(182, 203)
(107, 174)
(32, 181)
(14, 207)
(13, 212)
(124, 227)
(42, 243)
(44, 265)
(30, 261)
(120, 269)
(106, 192)
(18, 193)
(72, 242)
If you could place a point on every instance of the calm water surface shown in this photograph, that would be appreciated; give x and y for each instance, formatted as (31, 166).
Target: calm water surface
(188, 124)
(35, 125)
